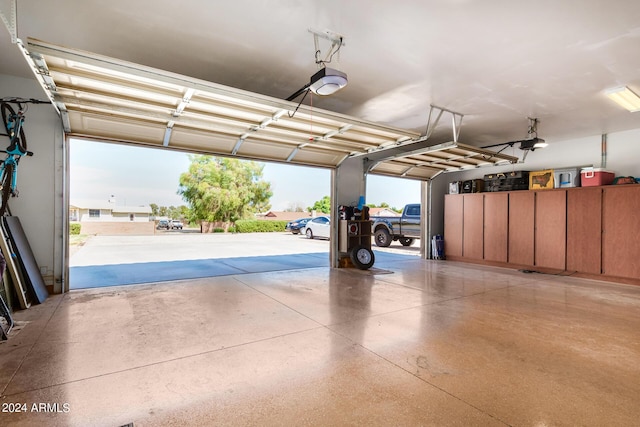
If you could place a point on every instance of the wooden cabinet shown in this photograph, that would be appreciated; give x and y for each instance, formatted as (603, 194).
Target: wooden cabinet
(453, 225)
(584, 230)
(496, 226)
(472, 226)
(521, 227)
(592, 231)
(620, 225)
(551, 229)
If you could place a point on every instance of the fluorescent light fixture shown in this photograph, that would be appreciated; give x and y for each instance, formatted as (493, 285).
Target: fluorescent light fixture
(327, 81)
(625, 97)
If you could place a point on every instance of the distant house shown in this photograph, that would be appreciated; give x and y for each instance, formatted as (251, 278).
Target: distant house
(106, 211)
(383, 212)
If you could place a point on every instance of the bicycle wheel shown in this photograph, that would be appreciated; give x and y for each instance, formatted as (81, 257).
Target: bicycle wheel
(7, 117)
(6, 187)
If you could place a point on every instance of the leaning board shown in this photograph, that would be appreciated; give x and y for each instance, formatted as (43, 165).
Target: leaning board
(13, 269)
(26, 260)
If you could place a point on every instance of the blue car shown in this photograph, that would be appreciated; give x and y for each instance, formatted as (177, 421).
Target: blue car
(296, 225)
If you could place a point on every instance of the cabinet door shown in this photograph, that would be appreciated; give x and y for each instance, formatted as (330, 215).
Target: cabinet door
(472, 226)
(551, 229)
(453, 225)
(620, 224)
(584, 230)
(496, 226)
(521, 227)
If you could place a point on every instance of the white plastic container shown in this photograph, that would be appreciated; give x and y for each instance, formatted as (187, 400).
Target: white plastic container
(566, 178)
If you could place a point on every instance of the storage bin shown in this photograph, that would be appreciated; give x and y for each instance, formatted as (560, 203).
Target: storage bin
(507, 181)
(454, 187)
(591, 177)
(566, 178)
(473, 186)
(541, 180)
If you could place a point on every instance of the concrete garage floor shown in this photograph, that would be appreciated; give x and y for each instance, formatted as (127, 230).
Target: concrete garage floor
(433, 343)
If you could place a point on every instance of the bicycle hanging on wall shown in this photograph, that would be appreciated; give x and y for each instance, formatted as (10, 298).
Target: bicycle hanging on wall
(14, 125)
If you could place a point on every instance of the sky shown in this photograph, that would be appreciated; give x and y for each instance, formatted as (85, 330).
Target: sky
(138, 176)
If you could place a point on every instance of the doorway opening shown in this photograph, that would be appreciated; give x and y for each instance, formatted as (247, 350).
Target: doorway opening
(136, 227)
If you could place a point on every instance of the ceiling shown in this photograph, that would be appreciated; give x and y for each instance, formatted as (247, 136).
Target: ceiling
(495, 62)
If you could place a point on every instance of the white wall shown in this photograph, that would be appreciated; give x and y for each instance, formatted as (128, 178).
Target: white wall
(623, 158)
(40, 180)
(623, 154)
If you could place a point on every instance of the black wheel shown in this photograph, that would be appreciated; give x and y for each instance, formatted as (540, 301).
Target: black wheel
(382, 237)
(7, 113)
(362, 257)
(405, 241)
(6, 188)
(309, 233)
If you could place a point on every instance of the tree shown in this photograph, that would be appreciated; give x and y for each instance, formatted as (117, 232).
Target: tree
(381, 205)
(223, 189)
(323, 205)
(294, 207)
(179, 212)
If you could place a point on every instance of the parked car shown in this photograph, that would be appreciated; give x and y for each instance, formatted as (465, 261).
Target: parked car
(405, 228)
(176, 224)
(163, 224)
(297, 225)
(318, 227)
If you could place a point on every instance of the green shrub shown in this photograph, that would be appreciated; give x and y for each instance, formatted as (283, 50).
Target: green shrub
(259, 226)
(74, 228)
(218, 230)
(232, 229)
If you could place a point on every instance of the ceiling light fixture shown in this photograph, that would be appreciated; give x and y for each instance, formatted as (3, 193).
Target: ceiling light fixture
(326, 81)
(625, 97)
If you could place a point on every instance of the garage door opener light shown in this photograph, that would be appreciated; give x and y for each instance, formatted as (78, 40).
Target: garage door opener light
(530, 144)
(326, 81)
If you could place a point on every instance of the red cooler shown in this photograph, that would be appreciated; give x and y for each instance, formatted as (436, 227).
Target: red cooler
(591, 177)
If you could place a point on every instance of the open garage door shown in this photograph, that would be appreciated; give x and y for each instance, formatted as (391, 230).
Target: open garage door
(108, 99)
(113, 100)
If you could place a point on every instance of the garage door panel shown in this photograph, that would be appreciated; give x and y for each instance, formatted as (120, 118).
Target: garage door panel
(112, 128)
(202, 141)
(317, 157)
(79, 95)
(126, 89)
(265, 150)
(94, 67)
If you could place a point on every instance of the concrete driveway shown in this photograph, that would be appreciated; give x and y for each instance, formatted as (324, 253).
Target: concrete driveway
(179, 246)
(118, 260)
